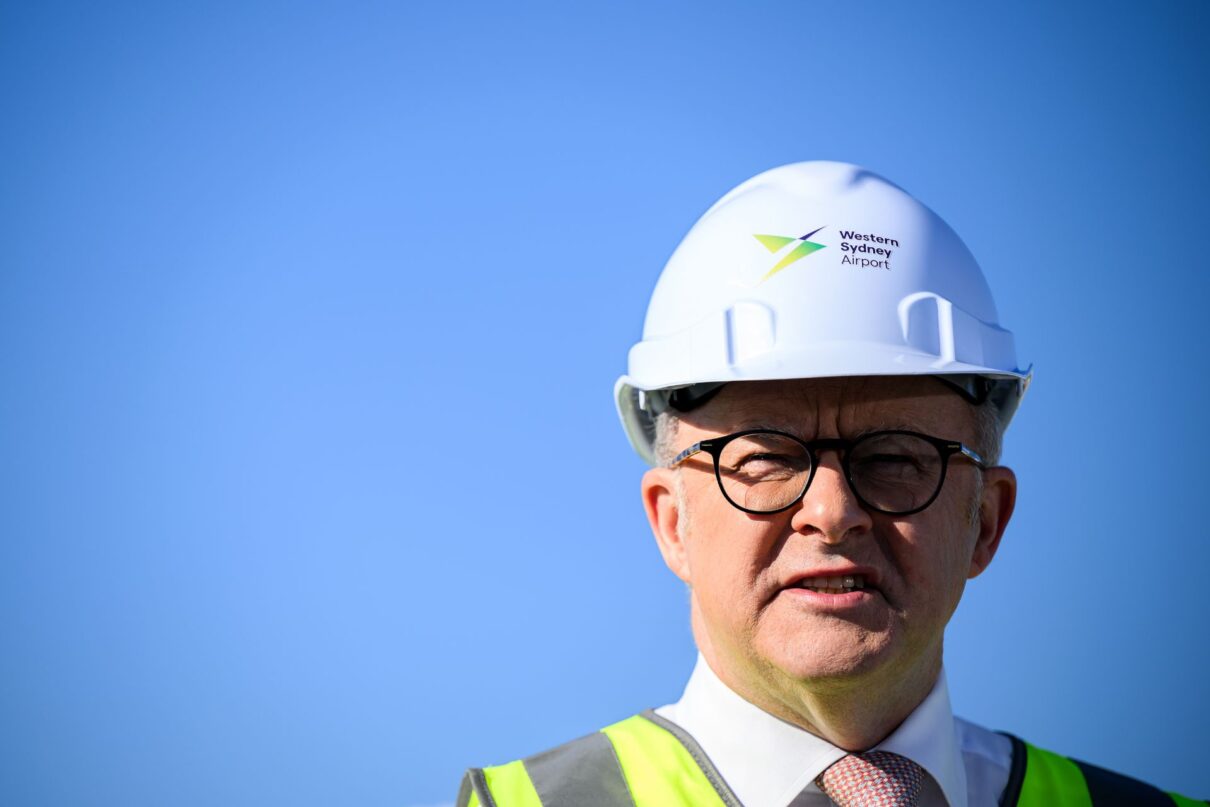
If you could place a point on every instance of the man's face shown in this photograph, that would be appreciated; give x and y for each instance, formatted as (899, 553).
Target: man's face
(761, 631)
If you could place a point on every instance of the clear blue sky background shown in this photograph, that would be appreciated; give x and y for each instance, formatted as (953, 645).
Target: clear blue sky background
(312, 488)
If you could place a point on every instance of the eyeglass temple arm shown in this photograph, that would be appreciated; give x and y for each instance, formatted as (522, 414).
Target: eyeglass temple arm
(684, 455)
(970, 454)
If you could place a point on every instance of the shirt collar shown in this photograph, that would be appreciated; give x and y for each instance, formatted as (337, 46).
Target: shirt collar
(929, 738)
(767, 761)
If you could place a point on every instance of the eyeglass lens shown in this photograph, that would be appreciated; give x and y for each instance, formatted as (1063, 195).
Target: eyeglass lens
(894, 473)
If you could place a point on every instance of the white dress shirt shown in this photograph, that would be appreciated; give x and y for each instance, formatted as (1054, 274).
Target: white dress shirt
(768, 762)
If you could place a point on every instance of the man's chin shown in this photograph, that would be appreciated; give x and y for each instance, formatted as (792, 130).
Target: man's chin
(824, 665)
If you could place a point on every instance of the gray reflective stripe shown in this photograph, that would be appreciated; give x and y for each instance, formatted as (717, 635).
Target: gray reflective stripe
(699, 756)
(464, 791)
(583, 772)
(475, 780)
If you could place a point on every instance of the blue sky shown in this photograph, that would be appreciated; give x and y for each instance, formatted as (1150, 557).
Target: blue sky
(313, 491)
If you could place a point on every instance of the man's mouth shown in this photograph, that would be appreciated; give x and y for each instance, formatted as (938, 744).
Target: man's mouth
(833, 585)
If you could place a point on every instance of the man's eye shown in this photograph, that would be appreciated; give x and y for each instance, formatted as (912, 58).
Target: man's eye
(765, 464)
(888, 464)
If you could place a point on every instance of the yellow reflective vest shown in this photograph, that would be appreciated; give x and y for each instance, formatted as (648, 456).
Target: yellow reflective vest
(647, 761)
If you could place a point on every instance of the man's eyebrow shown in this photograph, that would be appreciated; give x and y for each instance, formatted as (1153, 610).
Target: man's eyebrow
(890, 426)
(769, 427)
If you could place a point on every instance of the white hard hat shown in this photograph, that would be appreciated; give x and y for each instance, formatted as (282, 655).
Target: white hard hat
(814, 270)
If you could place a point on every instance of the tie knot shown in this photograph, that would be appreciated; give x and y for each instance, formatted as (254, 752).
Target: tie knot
(873, 779)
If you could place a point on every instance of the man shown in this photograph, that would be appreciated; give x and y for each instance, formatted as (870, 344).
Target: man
(823, 414)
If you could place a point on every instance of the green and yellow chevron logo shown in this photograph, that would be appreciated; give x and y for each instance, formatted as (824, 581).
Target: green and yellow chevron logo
(778, 243)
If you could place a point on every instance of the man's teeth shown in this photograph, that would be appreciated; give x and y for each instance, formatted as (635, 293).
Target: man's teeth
(834, 585)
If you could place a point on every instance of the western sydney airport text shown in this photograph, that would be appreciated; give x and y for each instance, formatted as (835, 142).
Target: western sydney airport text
(863, 254)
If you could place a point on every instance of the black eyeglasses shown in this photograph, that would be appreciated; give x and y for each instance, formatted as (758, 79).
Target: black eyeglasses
(893, 472)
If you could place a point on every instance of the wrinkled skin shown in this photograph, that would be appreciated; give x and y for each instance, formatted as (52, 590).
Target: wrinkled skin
(848, 674)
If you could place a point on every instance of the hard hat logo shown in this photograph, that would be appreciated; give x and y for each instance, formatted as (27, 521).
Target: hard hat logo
(777, 243)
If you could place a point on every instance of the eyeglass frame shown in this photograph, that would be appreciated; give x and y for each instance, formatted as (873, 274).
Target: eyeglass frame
(945, 448)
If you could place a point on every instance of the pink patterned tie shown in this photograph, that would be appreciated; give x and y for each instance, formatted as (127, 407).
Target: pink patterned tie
(873, 779)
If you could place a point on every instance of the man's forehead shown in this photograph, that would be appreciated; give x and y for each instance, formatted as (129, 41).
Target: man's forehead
(858, 402)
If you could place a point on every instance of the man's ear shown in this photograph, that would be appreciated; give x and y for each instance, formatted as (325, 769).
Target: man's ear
(664, 514)
(995, 510)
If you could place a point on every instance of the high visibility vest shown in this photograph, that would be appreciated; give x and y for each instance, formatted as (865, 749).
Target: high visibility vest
(647, 761)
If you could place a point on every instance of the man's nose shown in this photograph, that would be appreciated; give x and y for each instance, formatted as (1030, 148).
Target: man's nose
(829, 508)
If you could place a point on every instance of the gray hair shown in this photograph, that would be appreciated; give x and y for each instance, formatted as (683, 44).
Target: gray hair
(664, 445)
(989, 432)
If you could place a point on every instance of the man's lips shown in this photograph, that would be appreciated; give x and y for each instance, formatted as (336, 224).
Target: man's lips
(835, 580)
